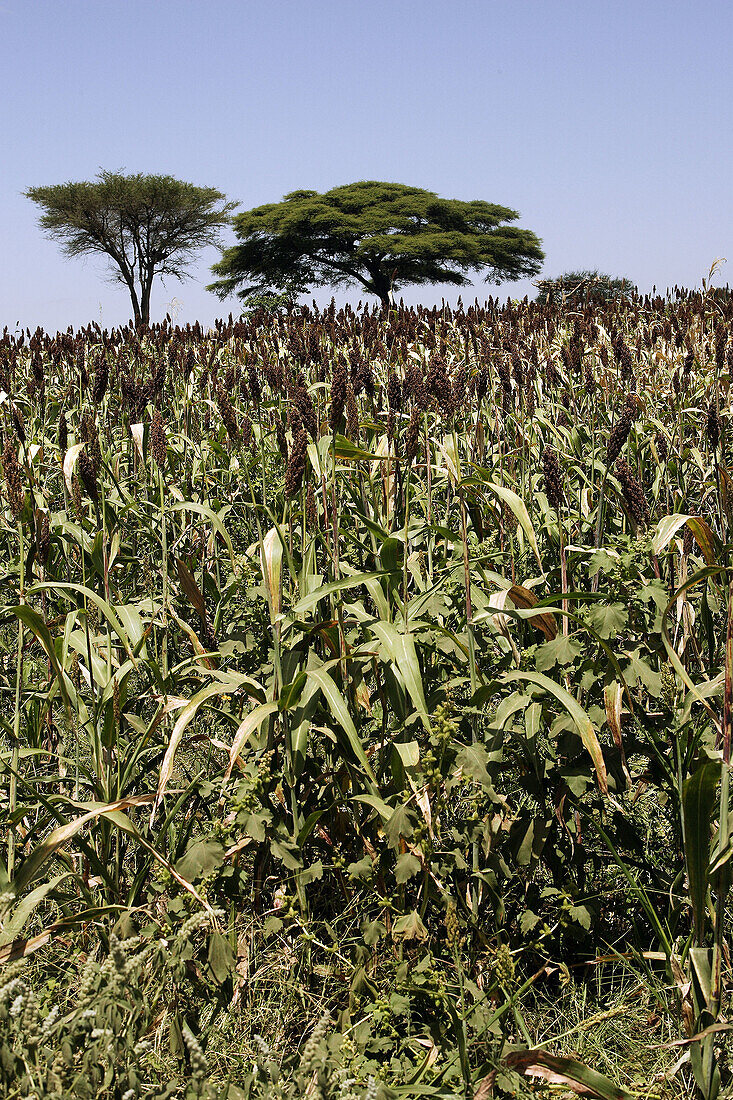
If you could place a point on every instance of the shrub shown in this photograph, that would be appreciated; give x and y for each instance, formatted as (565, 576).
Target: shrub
(583, 286)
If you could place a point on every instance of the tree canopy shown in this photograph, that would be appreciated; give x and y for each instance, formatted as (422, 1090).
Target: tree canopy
(583, 286)
(381, 236)
(147, 225)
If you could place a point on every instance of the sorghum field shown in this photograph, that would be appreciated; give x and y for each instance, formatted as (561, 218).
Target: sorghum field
(366, 704)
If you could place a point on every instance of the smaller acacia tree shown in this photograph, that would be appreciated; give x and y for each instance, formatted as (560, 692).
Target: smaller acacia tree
(148, 225)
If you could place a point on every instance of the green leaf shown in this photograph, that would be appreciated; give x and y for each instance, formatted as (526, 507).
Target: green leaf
(561, 650)
(640, 670)
(340, 711)
(291, 692)
(401, 650)
(207, 513)
(89, 595)
(528, 921)
(519, 509)
(391, 554)
(607, 619)
(37, 625)
(406, 867)
(361, 870)
(399, 825)
(698, 800)
(200, 859)
(472, 760)
(582, 721)
(247, 727)
(533, 841)
(376, 803)
(605, 560)
(221, 957)
(58, 837)
(372, 931)
(580, 914)
(347, 451)
(312, 873)
(186, 716)
(175, 1036)
(13, 926)
(409, 753)
(354, 581)
(289, 854)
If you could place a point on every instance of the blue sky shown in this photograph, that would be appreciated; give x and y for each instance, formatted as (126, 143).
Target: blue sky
(606, 125)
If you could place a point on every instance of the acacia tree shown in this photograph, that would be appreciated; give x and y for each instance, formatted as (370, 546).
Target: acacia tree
(379, 235)
(147, 225)
(583, 286)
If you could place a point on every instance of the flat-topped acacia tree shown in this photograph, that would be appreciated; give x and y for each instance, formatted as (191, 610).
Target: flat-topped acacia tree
(382, 236)
(147, 225)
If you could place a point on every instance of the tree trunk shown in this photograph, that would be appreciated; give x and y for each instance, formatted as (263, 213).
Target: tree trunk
(136, 316)
(145, 306)
(383, 289)
(147, 287)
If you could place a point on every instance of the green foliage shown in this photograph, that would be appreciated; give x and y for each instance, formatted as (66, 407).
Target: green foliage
(146, 225)
(380, 236)
(272, 300)
(580, 287)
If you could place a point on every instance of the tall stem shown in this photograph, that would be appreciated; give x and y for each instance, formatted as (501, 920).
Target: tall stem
(15, 755)
(164, 542)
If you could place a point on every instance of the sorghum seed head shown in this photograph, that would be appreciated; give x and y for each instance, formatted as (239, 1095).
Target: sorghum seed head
(18, 422)
(619, 435)
(87, 475)
(394, 391)
(296, 463)
(460, 379)
(352, 415)
(553, 477)
(226, 411)
(247, 436)
(633, 493)
(63, 433)
(412, 436)
(713, 424)
(101, 380)
(311, 508)
(44, 539)
(338, 395)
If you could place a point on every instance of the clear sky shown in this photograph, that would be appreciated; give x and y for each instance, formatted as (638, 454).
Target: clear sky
(606, 125)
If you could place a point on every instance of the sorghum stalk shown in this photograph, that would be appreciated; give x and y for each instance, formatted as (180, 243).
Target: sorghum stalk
(722, 881)
(15, 755)
(471, 659)
(405, 554)
(164, 543)
(555, 494)
(428, 474)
